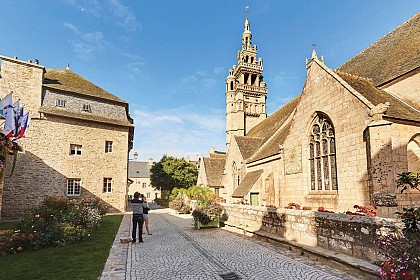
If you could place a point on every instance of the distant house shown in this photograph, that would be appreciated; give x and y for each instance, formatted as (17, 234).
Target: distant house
(210, 171)
(139, 174)
(78, 141)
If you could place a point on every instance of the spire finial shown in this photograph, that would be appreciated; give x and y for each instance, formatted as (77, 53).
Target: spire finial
(246, 10)
(314, 51)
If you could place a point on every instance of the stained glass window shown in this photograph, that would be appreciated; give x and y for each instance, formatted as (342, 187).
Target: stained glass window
(322, 157)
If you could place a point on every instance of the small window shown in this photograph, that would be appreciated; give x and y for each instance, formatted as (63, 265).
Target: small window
(87, 108)
(107, 185)
(60, 103)
(75, 149)
(148, 195)
(73, 187)
(108, 146)
(144, 185)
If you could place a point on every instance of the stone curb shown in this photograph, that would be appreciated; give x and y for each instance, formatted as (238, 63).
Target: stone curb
(358, 265)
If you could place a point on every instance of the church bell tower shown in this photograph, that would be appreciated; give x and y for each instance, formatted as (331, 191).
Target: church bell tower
(245, 89)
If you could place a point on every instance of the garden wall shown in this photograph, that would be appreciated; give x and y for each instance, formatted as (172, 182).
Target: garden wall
(348, 234)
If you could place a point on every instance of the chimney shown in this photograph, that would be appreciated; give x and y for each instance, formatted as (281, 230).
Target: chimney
(150, 162)
(212, 150)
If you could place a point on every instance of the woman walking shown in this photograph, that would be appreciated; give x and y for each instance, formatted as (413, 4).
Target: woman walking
(146, 215)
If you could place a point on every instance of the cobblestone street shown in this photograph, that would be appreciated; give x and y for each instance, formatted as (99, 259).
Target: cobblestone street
(176, 250)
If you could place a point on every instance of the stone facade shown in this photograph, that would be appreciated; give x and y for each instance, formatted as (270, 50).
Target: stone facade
(103, 135)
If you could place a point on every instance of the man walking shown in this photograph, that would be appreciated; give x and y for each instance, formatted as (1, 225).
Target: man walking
(137, 206)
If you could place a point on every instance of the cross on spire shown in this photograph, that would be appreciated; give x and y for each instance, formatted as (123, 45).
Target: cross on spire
(246, 10)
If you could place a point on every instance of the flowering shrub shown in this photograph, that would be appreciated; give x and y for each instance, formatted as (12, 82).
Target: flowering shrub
(179, 205)
(208, 213)
(365, 210)
(322, 209)
(56, 222)
(402, 249)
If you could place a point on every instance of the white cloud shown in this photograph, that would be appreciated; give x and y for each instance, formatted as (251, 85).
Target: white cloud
(203, 80)
(112, 11)
(177, 132)
(86, 44)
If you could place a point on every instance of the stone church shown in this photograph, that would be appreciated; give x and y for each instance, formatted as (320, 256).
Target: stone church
(341, 142)
(77, 144)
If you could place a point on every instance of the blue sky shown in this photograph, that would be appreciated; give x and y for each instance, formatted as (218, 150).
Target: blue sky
(169, 59)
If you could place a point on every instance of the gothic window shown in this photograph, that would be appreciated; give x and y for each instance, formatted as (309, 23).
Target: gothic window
(235, 175)
(322, 160)
(231, 85)
(413, 154)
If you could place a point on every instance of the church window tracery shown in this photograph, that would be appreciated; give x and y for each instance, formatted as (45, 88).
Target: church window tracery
(322, 155)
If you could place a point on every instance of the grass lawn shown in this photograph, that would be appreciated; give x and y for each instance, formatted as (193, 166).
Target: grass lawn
(84, 260)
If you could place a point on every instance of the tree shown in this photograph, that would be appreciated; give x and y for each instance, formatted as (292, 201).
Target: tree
(172, 172)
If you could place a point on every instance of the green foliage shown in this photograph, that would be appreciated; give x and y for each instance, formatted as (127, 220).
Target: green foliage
(172, 172)
(84, 260)
(56, 222)
(408, 179)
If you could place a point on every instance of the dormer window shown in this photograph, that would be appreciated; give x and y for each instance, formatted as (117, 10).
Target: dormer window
(60, 103)
(87, 108)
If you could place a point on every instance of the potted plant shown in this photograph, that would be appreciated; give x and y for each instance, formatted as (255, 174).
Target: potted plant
(207, 215)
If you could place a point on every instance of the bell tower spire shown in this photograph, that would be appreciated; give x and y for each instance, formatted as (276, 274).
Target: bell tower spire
(245, 89)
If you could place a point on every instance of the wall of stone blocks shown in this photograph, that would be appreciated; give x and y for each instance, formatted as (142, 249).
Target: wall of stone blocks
(46, 164)
(351, 235)
(326, 94)
(24, 79)
(75, 103)
(407, 88)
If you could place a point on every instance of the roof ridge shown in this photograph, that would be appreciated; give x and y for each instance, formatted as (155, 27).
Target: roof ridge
(356, 76)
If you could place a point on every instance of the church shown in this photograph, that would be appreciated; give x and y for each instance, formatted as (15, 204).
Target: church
(341, 142)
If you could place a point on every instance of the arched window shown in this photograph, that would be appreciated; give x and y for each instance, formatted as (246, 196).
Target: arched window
(413, 154)
(322, 155)
(235, 176)
(231, 85)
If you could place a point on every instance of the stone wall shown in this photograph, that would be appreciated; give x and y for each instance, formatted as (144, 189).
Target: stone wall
(351, 235)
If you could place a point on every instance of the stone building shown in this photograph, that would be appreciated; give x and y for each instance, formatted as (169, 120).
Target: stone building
(210, 171)
(78, 141)
(139, 174)
(342, 141)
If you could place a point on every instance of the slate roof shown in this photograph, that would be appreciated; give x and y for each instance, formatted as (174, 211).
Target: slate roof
(398, 109)
(214, 168)
(395, 54)
(84, 116)
(269, 127)
(138, 169)
(247, 145)
(67, 80)
(247, 182)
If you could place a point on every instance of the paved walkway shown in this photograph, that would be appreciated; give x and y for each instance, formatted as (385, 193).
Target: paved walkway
(178, 251)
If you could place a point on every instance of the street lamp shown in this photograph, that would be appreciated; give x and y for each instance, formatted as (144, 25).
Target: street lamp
(136, 155)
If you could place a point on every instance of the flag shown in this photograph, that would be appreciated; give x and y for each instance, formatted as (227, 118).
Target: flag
(9, 115)
(4, 103)
(24, 124)
(12, 119)
(18, 118)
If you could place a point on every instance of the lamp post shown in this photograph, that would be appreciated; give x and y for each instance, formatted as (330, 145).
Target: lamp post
(136, 155)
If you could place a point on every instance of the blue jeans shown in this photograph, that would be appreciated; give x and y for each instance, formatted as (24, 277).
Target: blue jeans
(137, 220)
